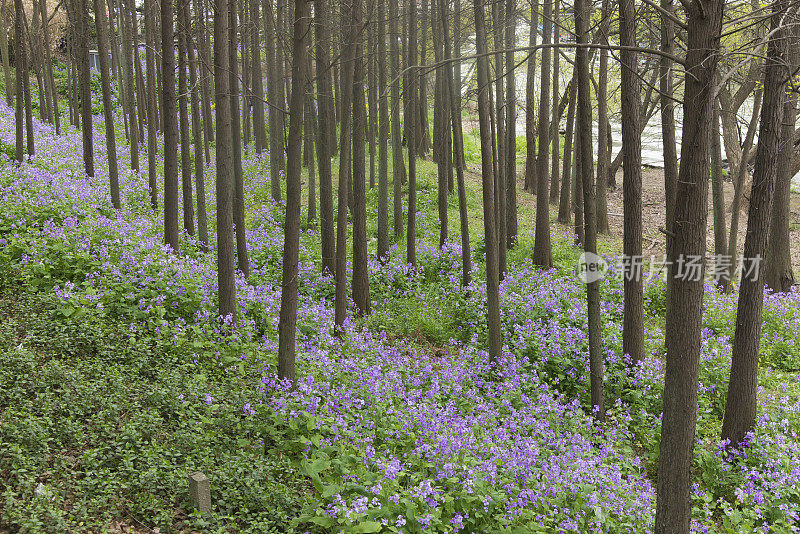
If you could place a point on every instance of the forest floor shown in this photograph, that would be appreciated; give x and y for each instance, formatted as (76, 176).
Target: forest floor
(117, 377)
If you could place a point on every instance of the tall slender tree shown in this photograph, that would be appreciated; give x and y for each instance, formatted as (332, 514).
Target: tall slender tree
(224, 160)
(169, 112)
(383, 138)
(687, 239)
(197, 134)
(542, 253)
(183, 116)
(740, 406)
(291, 246)
(242, 258)
(108, 111)
(398, 164)
(81, 8)
(324, 126)
(259, 129)
(586, 179)
(633, 314)
(490, 233)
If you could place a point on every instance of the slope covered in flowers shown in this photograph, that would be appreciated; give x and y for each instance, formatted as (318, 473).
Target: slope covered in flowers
(399, 425)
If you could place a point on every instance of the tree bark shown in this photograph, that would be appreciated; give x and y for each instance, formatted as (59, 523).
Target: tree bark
(383, 137)
(740, 407)
(291, 247)
(82, 18)
(152, 92)
(542, 253)
(564, 204)
(530, 104)
(684, 308)
(511, 128)
(586, 178)
(633, 314)
(324, 128)
(490, 233)
(556, 121)
(668, 110)
(171, 235)
(183, 114)
(108, 112)
(197, 134)
(259, 127)
(778, 263)
(603, 157)
(398, 165)
(360, 271)
(224, 160)
(276, 161)
(411, 118)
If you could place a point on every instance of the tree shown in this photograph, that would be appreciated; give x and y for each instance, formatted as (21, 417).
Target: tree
(487, 181)
(530, 103)
(687, 239)
(453, 88)
(169, 118)
(740, 407)
(81, 9)
(10, 89)
(383, 137)
(236, 145)
(542, 254)
(324, 128)
(778, 262)
(633, 319)
(291, 244)
(259, 129)
(667, 108)
(108, 113)
(398, 165)
(152, 91)
(555, 123)
(511, 127)
(360, 271)
(276, 161)
(345, 148)
(224, 158)
(197, 134)
(413, 142)
(20, 67)
(586, 179)
(183, 116)
(564, 202)
(603, 131)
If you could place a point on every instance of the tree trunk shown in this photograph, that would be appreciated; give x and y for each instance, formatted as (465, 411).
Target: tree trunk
(5, 57)
(668, 111)
(199, 179)
(204, 74)
(556, 121)
(152, 92)
(19, 65)
(236, 145)
(345, 148)
(530, 104)
(183, 113)
(224, 160)
(108, 112)
(490, 233)
(325, 126)
(82, 17)
(633, 319)
(740, 407)
(542, 254)
(778, 263)
(259, 127)
(718, 193)
(276, 162)
(587, 181)
(603, 159)
(564, 203)
(171, 234)
(383, 138)
(360, 271)
(453, 88)
(511, 127)
(411, 118)
(499, 139)
(398, 165)
(309, 130)
(291, 247)
(687, 238)
(49, 60)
